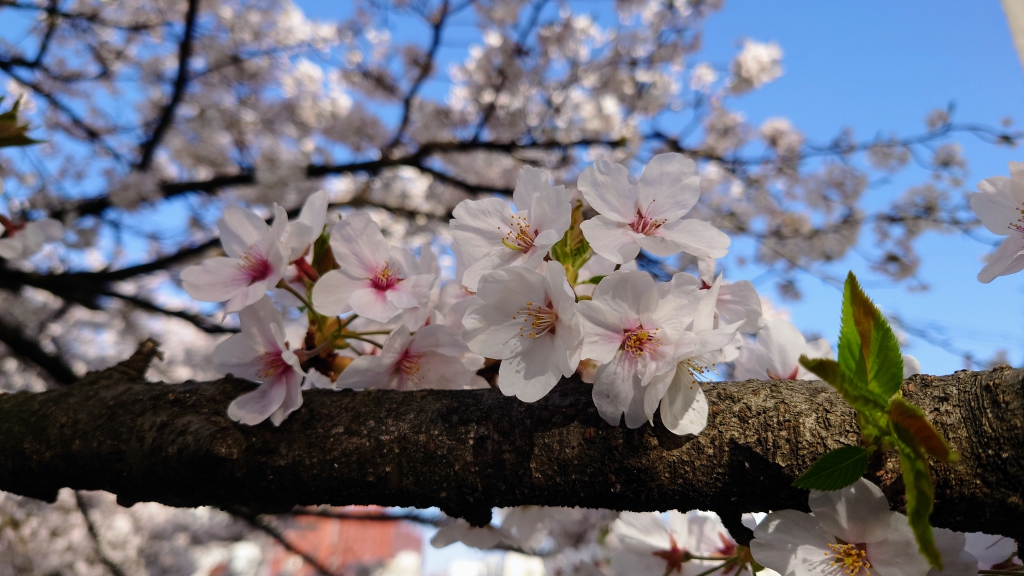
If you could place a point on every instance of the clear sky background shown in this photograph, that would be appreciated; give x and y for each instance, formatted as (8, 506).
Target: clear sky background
(880, 67)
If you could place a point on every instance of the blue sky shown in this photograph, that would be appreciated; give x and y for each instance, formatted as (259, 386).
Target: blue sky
(880, 67)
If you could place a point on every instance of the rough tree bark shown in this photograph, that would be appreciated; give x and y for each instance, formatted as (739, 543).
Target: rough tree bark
(466, 451)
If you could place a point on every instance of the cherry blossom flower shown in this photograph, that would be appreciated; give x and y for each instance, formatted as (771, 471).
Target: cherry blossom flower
(757, 64)
(528, 321)
(633, 328)
(303, 231)
(737, 301)
(255, 262)
(429, 359)
(369, 282)
(260, 353)
(999, 204)
(851, 533)
(491, 236)
(776, 354)
(683, 407)
(647, 214)
(650, 547)
(24, 240)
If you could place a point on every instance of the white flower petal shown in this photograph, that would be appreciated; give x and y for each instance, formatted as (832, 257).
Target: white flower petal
(240, 229)
(607, 189)
(332, 292)
(692, 236)
(1007, 259)
(896, 553)
(256, 406)
(641, 532)
(610, 239)
(531, 374)
(292, 398)
(857, 514)
(602, 331)
(364, 372)
(684, 409)
(373, 304)
(669, 186)
(617, 389)
(358, 245)
(792, 543)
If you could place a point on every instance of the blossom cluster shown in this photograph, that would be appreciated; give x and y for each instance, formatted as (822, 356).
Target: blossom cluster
(540, 291)
(849, 532)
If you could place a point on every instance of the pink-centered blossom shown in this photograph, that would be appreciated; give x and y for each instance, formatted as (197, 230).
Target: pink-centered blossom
(656, 545)
(999, 204)
(260, 353)
(648, 213)
(429, 359)
(677, 393)
(633, 328)
(492, 236)
(851, 533)
(370, 281)
(255, 261)
(528, 321)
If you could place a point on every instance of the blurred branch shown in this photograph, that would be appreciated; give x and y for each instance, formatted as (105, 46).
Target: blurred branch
(114, 568)
(29, 349)
(265, 527)
(178, 90)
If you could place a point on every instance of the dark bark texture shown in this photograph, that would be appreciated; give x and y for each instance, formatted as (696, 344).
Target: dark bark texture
(468, 451)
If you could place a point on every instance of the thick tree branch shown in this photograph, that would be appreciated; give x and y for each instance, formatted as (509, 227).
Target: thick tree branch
(467, 451)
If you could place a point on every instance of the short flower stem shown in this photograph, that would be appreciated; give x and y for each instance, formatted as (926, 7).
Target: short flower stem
(304, 355)
(719, 567)
(711, 558)
(285, 286)
(372, 333)
(361, 339)
(307, 270)
(348, 321)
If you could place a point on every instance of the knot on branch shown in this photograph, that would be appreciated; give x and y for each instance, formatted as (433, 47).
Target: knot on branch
(141, 359)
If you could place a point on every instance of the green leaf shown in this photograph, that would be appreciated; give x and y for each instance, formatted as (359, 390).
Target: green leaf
(323, 256)
(868, 350)
(573, 250)
(837, 469)
(11, 132)
(594, 279)
(863, 400)
(921, 431)
(917, 481)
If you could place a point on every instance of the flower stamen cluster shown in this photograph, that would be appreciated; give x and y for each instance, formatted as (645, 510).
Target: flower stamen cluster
(852, 558)
(1018, 226)
(644, 223)
(541, 318)
(519, 236)
(638, 341)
